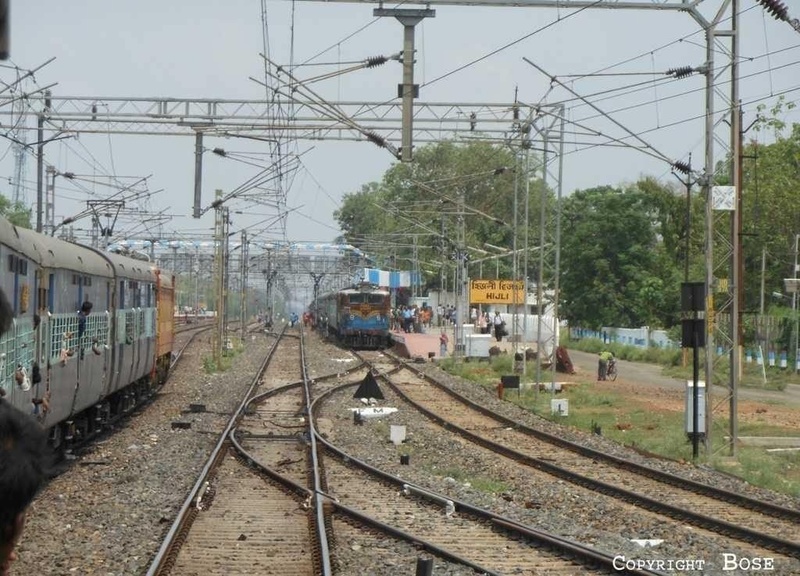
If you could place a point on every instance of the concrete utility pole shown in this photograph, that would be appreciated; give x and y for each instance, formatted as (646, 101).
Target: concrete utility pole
(40, 142)
(39, 170)
(409, 18)
(198, 173)
(49, 225)
(219, 278)
(243, 291)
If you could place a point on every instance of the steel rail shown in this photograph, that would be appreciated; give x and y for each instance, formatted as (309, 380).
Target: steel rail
(553, 542)
(164, 557)
(319, 509)
(720, 526)
(568, 547)
(665, 477)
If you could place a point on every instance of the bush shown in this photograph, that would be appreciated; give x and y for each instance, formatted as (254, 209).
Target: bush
(653, 354)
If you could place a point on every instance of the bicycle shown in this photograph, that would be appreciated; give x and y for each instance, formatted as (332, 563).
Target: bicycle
(611, 371)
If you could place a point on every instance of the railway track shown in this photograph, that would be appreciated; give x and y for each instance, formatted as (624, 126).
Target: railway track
(750, 521)
(201, 539)
(486, 542)
(265, 504)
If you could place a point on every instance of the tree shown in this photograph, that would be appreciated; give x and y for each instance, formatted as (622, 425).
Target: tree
(771, 213)
(414, 210)
(615, 270)
(17, 213)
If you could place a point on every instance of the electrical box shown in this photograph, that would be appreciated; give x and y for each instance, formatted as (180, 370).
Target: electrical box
(701, 407)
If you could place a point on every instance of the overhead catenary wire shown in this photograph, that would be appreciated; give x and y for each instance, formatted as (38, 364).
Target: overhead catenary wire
(684, 93)
(692, 119)
(513, 43)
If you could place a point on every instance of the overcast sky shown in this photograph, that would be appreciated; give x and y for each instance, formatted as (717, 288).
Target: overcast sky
(204, 49)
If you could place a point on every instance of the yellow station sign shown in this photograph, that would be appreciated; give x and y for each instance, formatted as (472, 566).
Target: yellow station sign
(496, 292)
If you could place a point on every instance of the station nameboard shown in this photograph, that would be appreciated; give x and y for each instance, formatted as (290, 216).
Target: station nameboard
(496, 292)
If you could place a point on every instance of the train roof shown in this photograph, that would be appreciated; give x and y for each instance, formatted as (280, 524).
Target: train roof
(10, 237)
(54, 253)
(131, 268)
(372, 288)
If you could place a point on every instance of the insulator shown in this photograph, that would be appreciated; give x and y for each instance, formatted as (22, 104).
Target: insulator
(681, 72)
(682, 167)
(375, 139)
(776, 8)
(376, 61)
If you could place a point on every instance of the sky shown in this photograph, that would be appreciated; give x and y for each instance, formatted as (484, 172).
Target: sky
(204, 49)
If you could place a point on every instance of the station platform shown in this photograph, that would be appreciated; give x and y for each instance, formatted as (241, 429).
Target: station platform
(418, 345)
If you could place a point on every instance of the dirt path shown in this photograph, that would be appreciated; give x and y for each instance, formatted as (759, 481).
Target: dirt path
(646, 384)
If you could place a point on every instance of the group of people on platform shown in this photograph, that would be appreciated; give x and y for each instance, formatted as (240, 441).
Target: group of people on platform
(410, 319)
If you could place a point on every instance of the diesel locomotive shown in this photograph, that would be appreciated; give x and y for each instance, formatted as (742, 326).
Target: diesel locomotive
(92, 334)
(358, 317)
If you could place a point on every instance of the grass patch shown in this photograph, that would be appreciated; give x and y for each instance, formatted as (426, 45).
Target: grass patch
(226, 358)
(480, 483)
(778, 471)
(626, 420)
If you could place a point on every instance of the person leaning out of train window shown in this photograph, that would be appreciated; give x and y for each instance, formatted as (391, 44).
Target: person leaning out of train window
(25, 462)
(83, 314)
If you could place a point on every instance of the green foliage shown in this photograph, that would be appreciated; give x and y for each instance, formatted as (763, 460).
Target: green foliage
(226, 359)
(417, 205)
(621, 418)
(771, 180)
(624, 250)
(652, 355)
(779, 471)
(17, 213)
(615, 269)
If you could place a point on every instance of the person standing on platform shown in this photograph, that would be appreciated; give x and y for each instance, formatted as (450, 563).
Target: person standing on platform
(499, 326)
(443, 341)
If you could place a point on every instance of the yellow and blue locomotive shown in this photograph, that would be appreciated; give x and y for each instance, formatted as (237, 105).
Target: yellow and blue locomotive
(359, 317)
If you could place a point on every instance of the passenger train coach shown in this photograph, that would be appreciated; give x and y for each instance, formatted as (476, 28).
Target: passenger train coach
(358, 317)
(92, 334)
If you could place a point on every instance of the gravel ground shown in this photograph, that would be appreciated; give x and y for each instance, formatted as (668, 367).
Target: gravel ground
(446, 464)
(107, 514)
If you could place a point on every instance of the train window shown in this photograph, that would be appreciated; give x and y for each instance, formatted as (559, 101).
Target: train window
(376, 298)
(87, 280)
(22, 266)
(357, 298)
(75, 279)
(12, 263)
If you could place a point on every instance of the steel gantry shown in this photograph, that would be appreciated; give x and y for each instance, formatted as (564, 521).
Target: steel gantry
(381, 123)
(724, 268)
(433, 121)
